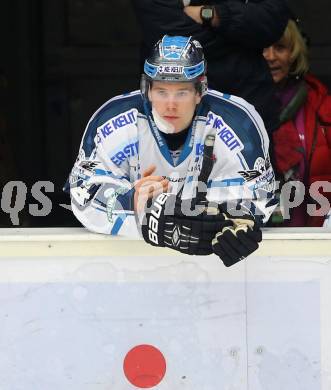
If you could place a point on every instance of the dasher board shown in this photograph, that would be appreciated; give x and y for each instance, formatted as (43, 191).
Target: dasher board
(137, 317)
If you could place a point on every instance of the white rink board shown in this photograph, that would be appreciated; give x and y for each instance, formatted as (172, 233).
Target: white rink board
(73, 304)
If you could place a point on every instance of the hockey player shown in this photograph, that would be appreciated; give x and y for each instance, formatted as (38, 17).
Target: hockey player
(192, 163)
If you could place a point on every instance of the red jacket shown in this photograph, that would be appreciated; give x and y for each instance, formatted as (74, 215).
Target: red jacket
(287, 147)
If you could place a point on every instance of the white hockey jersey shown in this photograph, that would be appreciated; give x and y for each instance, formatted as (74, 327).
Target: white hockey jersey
(121, 141)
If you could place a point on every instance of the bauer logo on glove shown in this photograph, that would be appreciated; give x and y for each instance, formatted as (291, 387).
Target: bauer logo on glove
(153, 220)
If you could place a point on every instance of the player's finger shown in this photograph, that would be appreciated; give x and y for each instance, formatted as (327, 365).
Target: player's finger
(148, 179)
(149, 188)
(149, 171)
(156, 191)
(156, 188)
(164, 183)
(154, 178)
(141, 198)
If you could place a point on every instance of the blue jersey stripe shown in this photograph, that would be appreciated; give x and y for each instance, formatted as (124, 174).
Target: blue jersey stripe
(118, 224)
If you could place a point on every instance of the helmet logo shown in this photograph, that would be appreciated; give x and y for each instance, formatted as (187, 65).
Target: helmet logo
(173, 52)
(170, 69)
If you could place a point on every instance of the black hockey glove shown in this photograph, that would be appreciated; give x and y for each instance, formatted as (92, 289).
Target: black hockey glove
(236, 242)
(169, 222)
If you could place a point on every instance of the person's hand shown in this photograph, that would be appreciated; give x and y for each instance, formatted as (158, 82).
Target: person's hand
(193, 12)
(234, 243)
(148, 187)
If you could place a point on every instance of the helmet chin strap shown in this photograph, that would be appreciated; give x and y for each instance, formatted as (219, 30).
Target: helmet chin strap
(162, 125)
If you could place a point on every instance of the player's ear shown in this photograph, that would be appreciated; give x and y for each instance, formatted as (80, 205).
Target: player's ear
(149, 94)
(198, 98)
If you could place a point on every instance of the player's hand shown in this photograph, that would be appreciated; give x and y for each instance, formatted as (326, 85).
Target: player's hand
(234, 243)
(148, 187)
(170, 222)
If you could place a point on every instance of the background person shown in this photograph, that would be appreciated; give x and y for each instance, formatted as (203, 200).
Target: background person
(233, 34)
(175, 132)
(302, 145)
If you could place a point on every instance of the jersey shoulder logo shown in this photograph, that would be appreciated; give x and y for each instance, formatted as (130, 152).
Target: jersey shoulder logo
(250, 174)
(224, 132)
(113, 124)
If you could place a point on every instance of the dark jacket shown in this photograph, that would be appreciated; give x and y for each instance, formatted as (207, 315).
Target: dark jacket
(233, 50)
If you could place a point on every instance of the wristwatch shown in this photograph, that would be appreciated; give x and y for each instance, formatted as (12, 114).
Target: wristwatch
(207, 13)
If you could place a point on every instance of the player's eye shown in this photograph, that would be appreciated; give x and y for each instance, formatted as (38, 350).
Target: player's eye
(183, 94)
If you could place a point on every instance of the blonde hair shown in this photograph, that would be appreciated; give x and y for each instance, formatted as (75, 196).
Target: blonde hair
(293, 39)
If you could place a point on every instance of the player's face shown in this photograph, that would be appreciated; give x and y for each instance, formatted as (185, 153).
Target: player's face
(174, 102)
(278, 57)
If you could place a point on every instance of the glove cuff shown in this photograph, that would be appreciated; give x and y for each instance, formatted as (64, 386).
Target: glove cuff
(243, 222)
(243, 219)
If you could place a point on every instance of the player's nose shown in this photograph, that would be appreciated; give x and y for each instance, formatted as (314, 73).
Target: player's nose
(171, 103)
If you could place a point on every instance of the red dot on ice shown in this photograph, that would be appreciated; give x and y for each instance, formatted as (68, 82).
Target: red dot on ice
(144, 366)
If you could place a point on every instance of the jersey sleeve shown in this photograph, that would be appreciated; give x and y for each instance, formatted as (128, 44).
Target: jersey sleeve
(243, 180)
(101, 191)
